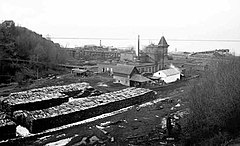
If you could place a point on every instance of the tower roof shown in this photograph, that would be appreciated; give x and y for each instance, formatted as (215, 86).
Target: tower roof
(163, 42)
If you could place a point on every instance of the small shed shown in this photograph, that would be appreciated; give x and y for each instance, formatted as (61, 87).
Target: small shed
(168, 75)
(80, 72)
(137, 80)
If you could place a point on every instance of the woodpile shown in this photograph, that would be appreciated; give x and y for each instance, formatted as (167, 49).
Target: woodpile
(69, 112)
(41, 98)
(48, 107)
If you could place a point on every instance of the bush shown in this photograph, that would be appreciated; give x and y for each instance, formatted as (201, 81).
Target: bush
(214, 102)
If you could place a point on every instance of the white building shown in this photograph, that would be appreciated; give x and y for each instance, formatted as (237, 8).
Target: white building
(168, 75)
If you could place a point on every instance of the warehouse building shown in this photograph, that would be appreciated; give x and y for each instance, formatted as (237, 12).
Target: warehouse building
(168, 75)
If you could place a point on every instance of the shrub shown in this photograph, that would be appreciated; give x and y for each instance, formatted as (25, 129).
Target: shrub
(214, 101)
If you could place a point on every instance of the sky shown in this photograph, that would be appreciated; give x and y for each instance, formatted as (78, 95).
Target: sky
(123, 20)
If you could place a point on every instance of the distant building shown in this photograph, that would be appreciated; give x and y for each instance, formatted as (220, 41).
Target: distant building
(141, 67)
(93, 52)
(168, 75)
(123, 73)
(128, 75)
(127, 56)
(157, 53)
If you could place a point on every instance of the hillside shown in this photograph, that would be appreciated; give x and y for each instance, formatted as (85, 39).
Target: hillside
(25, 54)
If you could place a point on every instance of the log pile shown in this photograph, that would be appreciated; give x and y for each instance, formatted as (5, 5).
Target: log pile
(41, 98)
(69, 112)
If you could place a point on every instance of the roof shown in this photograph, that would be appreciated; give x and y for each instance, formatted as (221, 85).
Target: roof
(79, 70)
(163, 42)
(124, 69)
(139, 78)
(170, 72)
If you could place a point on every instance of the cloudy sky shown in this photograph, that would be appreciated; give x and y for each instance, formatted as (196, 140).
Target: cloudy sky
(175, 19)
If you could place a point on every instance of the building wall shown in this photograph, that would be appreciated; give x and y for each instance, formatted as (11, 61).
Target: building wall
(106, 68)
(155, 52)
(172, 78)
(127, 56)
(149, 68)
(122, 80)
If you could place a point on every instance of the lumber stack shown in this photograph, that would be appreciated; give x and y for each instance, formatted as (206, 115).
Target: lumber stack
(70, 112)
(41, 98)
(32, 101)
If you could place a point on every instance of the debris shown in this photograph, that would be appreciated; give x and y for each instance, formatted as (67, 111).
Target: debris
(138, 108)
(83, 141)
(159, 107)
(22, 131)
(163, 143)
(102, 84)
(60, 135)
(175, 117)
(156, 116)
(178, 105)
(170, 138)
(164, 123)
(112, 139)
(94, 139)
(101, 129)
(60, 142)
(105, 124)
(172, 108)
(121, 126)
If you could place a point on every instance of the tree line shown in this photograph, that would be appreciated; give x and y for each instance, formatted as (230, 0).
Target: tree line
(21, 43)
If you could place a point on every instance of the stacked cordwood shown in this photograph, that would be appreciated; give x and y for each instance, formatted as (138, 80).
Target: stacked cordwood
(45, 108)
(41, 98)
(12, 106)
(69, 112)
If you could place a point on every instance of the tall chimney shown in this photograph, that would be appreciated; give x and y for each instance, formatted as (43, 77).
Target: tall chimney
(138, 47)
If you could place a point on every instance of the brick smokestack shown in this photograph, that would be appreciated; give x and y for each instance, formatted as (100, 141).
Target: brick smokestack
(138, 47)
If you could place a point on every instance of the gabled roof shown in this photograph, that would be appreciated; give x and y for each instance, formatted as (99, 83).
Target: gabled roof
(170, 72)
(123, 69)
(163, 42)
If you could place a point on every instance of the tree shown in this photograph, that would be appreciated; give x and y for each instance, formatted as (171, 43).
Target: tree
(214, 101)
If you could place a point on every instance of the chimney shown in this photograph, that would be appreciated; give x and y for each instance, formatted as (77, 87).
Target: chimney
(138, 47)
